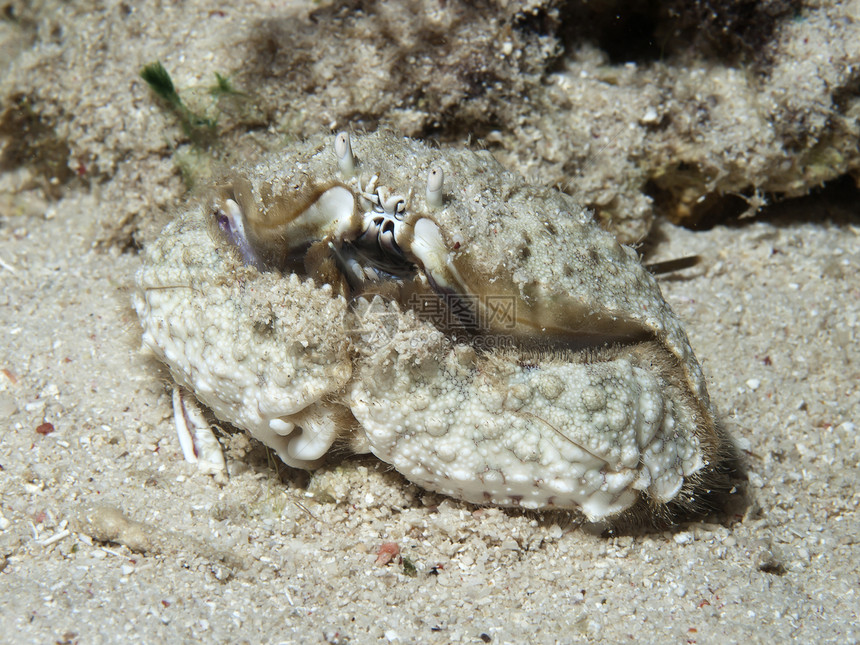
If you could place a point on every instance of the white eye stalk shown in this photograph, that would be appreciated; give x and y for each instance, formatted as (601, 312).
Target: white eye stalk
(345, 159)
(435, 179)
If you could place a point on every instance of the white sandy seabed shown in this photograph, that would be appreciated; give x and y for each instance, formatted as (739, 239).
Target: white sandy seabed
(773, 312)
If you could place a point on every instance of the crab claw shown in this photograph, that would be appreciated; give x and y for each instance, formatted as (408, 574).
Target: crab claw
(279, 232)
(230, 221)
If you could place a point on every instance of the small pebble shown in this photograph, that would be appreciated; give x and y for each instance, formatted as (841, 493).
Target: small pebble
(45, 428)
(650, 115)
(685, 537)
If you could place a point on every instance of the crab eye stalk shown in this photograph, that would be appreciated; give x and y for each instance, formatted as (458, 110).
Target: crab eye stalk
(435, 179)
(343, 150)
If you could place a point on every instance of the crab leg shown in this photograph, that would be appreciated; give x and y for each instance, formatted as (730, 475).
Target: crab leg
(198, 442)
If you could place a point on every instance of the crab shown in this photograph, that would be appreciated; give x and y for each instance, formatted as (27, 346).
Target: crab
(482, 336)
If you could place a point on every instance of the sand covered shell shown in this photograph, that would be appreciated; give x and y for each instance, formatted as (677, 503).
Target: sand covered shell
(482, 336)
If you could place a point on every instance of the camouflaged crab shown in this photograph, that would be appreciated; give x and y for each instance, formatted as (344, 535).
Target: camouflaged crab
(482, 336)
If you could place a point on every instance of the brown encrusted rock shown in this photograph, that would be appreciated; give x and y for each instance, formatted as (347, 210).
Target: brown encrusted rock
(700, 110)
